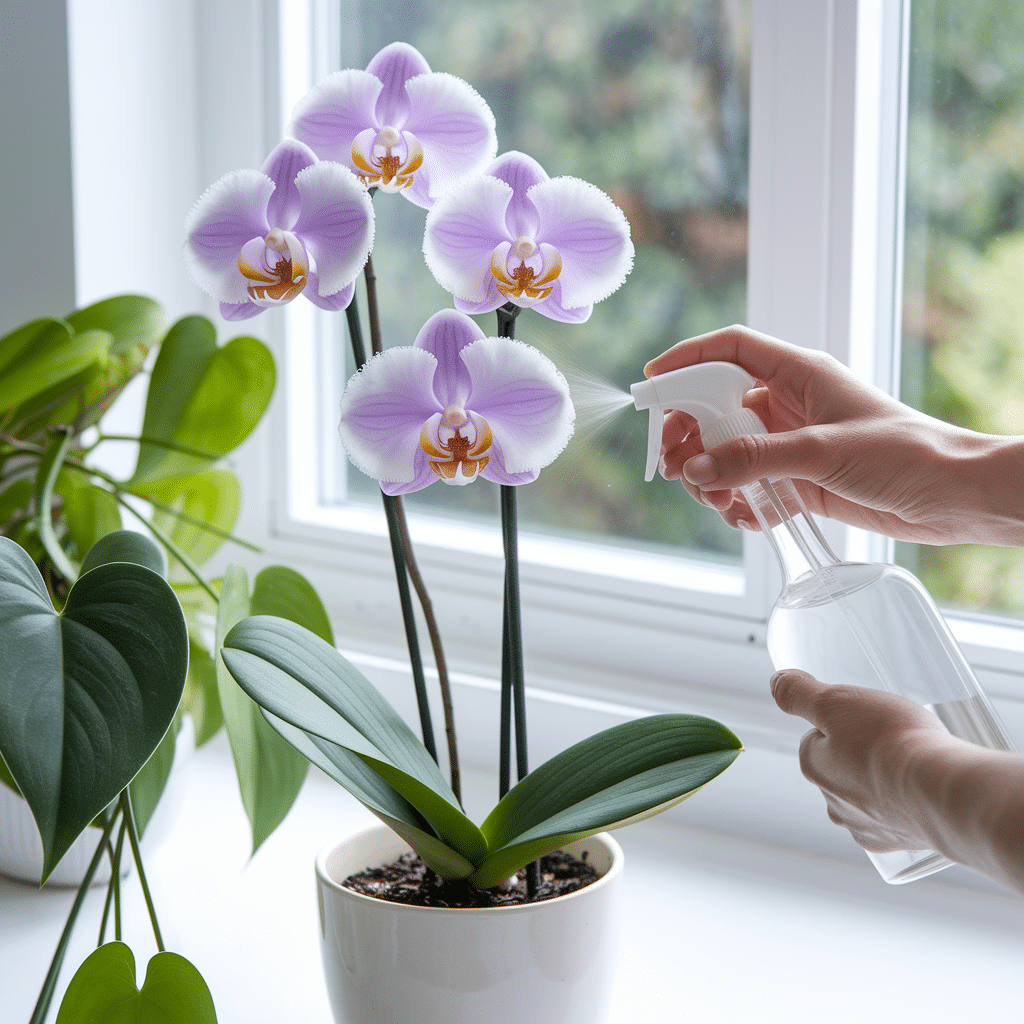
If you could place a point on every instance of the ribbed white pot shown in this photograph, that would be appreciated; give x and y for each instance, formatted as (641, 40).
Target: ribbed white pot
(550, 961)
(21, 849)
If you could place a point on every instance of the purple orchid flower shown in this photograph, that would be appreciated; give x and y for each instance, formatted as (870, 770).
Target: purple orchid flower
(400, 126)
(512, 234)
(455, 406)
(257, 239)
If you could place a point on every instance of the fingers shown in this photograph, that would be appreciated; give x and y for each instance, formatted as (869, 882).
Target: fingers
(758, 354)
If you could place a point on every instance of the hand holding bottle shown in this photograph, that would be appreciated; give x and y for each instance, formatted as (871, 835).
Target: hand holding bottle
(854, 453)
(897, 780)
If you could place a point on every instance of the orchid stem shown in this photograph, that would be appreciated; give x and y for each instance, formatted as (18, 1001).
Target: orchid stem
(50, 984)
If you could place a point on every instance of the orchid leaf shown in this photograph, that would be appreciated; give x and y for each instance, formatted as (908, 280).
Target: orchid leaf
(104, 991)
(270, 771)
(201, 396)
(303, 680)
(43, 353)
(378, 796)
(86, 695)
(618, 776)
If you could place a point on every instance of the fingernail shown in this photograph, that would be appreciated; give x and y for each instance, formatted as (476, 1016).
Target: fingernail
(662, 468)
(774, 681)
(701, 469)
(744, 524)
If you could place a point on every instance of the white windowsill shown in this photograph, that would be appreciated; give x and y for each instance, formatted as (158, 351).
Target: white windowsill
(717, 930)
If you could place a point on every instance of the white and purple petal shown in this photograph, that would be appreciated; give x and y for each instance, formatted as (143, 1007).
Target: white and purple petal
(228, 214)
(521, 172)
(444, 336)
(283, 165)
(331, 303)
(590, 232)
(335, 111)
(335, 223)
(462, 231)
(394, 65)
(383, 409)
(523, 397)
(456, 128)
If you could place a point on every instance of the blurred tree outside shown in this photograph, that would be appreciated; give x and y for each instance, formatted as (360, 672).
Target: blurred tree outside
(648, 100)
(963, 316)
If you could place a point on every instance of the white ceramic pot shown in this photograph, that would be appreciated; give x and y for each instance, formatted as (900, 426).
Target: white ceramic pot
(21, 849)
(386, 963)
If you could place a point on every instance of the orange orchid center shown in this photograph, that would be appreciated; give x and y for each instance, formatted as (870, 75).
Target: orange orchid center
(456, 447)
(276, 267)
(383, 164)
(525, 274)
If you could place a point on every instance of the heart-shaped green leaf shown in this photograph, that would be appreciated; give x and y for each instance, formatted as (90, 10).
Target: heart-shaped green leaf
(201, 397)
(104, 991)
(85, 696)
(303, 680)
(618, 776)
(90, 511)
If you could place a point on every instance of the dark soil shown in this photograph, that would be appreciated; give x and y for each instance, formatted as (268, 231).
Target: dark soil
(408, 880)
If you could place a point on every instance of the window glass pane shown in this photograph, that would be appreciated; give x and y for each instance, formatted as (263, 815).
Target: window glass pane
(648, 101)
(963, 313)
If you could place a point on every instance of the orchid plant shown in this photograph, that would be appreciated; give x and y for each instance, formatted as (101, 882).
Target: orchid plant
(455, 406)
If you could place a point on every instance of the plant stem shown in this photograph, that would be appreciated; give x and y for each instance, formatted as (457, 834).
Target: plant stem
(133, 838)
(50, 983)
(397, 520)
(113, 889)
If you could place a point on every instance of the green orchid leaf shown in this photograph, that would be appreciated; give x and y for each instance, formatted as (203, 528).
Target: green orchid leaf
(616, 777)
(43, 354)
(201, 510)
(300, 678)
(278, 590)
(270, 771)
(90, 511)
(201, 699)
(378, 796)
(202, 397)
(104, 991)
(85, 696)
(46, 478)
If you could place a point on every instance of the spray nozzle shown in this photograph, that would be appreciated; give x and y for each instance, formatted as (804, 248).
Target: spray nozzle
(710, 392)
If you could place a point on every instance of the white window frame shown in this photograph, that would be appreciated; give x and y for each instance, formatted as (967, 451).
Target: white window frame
(607, 636)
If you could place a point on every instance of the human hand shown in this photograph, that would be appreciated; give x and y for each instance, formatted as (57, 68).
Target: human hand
(854, 453)
(862, 754)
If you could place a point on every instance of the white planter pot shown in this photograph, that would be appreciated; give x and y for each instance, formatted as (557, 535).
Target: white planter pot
(548, 961)
(21, 849)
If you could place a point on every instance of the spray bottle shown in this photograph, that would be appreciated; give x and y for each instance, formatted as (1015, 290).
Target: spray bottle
(865, 624)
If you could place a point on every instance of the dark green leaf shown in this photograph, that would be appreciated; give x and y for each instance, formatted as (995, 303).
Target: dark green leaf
(620, 775)
(86, 696)
(270, 771)
(201, 396)
(104, 991)
(303, 680)
(126, 546)
(148, 786)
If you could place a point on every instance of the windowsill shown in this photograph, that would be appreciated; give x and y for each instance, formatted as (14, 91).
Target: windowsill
(717, 929)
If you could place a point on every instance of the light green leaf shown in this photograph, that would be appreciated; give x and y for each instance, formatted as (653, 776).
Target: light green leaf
(148, 786)
(270, 771)
(42, 354)
(609, 780)
(46, 478)
(85, 696)
(201, 699)
(278, 590)
(104, 991)
(201, 396)
(303, 680)
(90, 511)
(207, 502)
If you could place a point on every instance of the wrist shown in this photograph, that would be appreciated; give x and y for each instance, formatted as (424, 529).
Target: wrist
(993, 482)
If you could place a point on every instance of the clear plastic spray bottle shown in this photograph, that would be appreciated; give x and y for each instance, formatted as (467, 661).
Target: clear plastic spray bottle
(865, 624)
